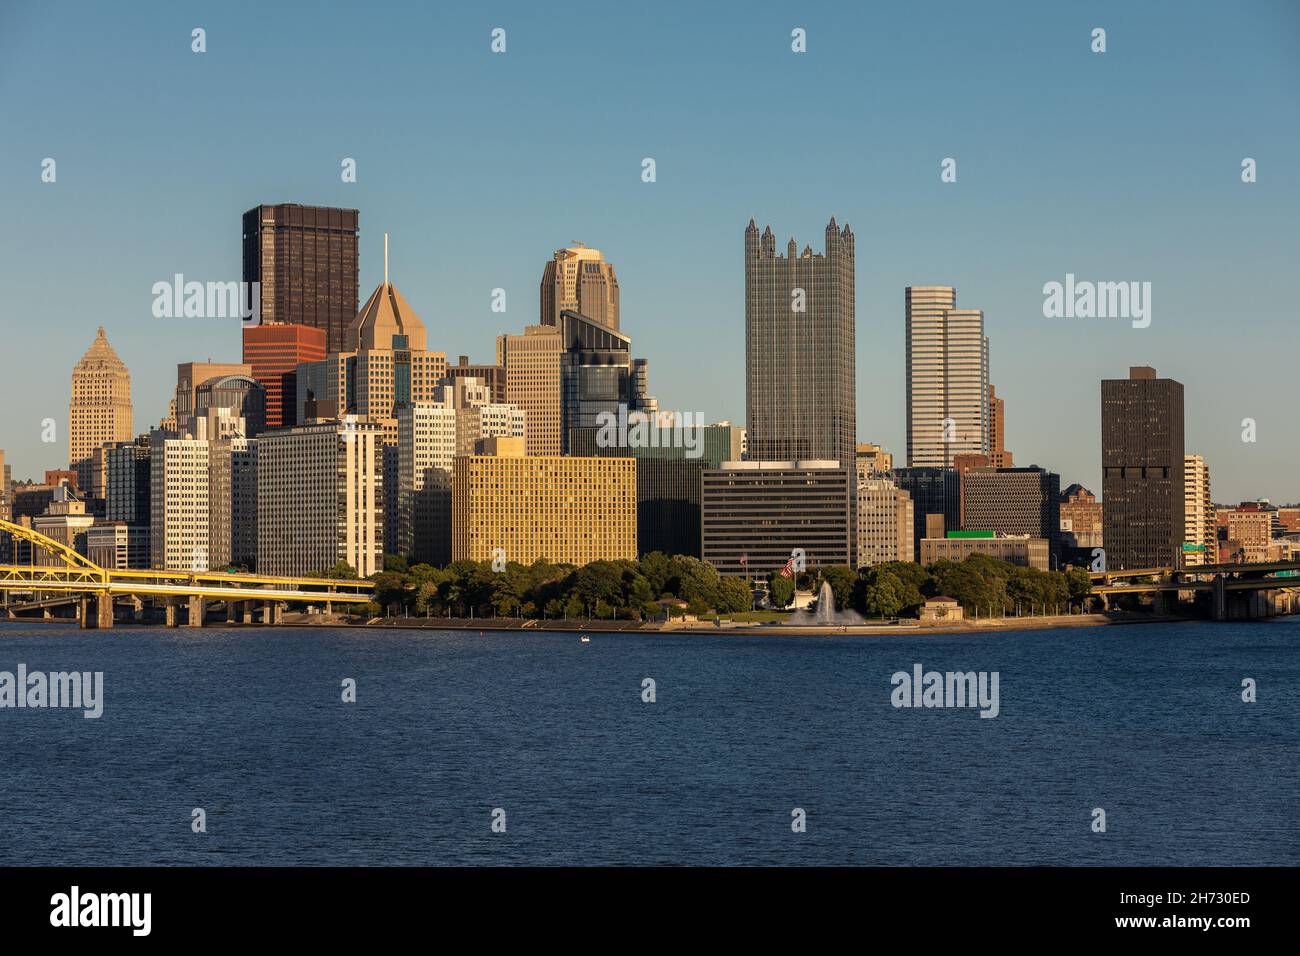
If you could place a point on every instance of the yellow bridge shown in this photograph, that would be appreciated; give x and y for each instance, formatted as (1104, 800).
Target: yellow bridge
(69, 575)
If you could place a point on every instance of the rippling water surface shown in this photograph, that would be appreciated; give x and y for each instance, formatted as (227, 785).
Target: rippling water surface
(1145, 721)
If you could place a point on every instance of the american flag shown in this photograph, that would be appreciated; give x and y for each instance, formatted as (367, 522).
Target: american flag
(788, 570)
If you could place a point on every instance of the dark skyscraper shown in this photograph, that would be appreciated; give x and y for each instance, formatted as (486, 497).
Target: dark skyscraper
(936, 500)
(597, 374)
(799, 348)
(1142, 470)
(305, 258)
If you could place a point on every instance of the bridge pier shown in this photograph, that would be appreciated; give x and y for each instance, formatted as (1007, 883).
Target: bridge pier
(196, 608)
(104, 609)
(95, 611)
(232, 611)
(1220, 592)
(169, 612)
(271, 612)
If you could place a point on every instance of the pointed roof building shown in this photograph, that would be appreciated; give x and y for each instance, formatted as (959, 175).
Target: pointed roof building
(384, 315)
(99, 412)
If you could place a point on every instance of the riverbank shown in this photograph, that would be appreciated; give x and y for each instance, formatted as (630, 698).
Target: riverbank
(981, 626)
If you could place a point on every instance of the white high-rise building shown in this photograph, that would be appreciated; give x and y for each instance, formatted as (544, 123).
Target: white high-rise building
(426, 447)
(180, 504)
(202, 515)
(1198, 514)
(320, 498)
(947, 378)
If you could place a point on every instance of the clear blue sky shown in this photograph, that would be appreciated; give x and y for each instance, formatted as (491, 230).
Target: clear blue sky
(1116, 166)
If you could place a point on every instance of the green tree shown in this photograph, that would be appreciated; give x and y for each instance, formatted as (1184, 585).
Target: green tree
(881, 597)
(734, 596)
(780, 590)
(1078, 583)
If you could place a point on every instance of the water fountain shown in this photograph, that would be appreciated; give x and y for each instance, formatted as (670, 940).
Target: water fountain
(825, 614)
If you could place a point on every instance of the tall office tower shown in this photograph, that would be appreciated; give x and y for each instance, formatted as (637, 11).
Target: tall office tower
(936, 501)
(872, 460)
(756, 515)
(668, 475)
(493, 376)
(232, 503)
(100, 410)
(320, 498)
(885, 523)
(800, 349)
(532, 364)
(179, 529)
(127, 484)
(1012, 501)
(426, 447)
(999, 457)
(598, 375)
(567, 510)
(305, 258)
(947, 378)
(1199, 527)
(189, 376)
(386, 367)
(579, 279)
(1142, 470)
(1081, 518)
(274, 352)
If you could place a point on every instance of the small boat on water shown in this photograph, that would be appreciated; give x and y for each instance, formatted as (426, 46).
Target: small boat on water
(585, 639)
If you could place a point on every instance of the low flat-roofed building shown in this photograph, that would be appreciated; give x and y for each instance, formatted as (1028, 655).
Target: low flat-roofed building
(1018, 549)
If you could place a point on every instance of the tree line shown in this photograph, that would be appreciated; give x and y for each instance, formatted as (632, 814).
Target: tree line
(658, 583)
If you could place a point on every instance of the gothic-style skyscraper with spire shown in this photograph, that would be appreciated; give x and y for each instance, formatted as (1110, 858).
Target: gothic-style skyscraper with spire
(799, 348)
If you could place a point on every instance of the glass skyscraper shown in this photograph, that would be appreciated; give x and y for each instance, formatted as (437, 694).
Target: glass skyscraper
(799, 348)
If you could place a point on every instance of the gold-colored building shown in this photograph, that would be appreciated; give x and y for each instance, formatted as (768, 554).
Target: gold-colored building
(532, 364)
(567, 510)
(100, 410)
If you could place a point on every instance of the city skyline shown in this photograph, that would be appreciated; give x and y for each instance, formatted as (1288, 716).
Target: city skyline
(1094, 209)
